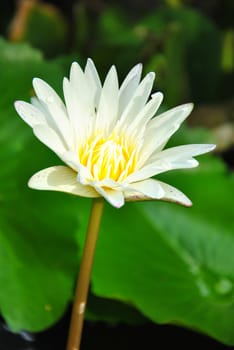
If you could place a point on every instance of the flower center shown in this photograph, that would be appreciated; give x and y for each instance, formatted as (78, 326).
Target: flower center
(113, 157)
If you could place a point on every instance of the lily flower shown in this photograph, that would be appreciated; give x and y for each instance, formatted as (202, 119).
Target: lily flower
(108, 136)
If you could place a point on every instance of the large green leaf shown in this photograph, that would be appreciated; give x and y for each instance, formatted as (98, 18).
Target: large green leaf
(37, 259)
(38, 253)
(174, 264)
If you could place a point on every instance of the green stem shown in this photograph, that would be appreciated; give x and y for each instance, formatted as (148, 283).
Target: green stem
(78, 311)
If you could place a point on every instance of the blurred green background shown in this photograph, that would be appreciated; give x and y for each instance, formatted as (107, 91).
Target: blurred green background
(156, 260)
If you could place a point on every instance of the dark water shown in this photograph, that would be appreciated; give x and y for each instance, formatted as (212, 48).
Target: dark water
(99, 336)
(228, 157)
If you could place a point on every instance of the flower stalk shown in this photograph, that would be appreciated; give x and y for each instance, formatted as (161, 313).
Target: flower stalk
(79, 306)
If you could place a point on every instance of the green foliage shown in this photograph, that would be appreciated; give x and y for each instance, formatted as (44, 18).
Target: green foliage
(36, 272)
(191, 68)
(180, 44)
(46, 29)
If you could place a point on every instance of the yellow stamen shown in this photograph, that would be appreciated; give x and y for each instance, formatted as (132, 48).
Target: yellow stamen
(113, 157)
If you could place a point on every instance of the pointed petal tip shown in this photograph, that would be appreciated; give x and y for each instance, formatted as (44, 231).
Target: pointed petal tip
(30, 183)
(184, 201)
(112, 70)
(189, 204)
(212, 147)
(65, 81)
(18, 104)
(33, 182)
(186, 108)
(119, 205)
(168, 193)
(205, 148)
(90, 61)
(37, 81)
(151, 75)
(172, 194)
(159, 95)
(39, 85)
(189, 105)
(138, 68)
(75, 70)
(74, 64)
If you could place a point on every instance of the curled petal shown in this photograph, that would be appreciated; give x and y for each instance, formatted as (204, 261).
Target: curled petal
(149, 188)
(63, 179)
(170, 194)
(179, 157)
(175, 156)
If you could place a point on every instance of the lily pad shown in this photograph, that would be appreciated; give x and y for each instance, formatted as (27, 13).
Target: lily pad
(174, 264)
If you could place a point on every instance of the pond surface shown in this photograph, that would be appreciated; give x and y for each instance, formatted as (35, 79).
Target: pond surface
(98, 335)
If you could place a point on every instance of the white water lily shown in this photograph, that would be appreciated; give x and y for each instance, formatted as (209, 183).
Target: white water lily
(108, 136)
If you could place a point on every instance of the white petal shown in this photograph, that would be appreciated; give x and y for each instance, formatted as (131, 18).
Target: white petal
(108, 183)
(41, 106)
(82, 91)
(174, 115)
(45, 92)
(162, 127)
(150, 188)
(129, 86)
(109, 101)
(140, 175)
(84, 175)
(56, 109)
(79, 100)
(93, 81)
(30, 114)
(115, 198)
(148, 111)
(171, 194)
(138, 100)
(49, 137)
(78, 119)
(179, 157)
(184, 152)
(62, 179)
(71, 104)
(71, 159)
